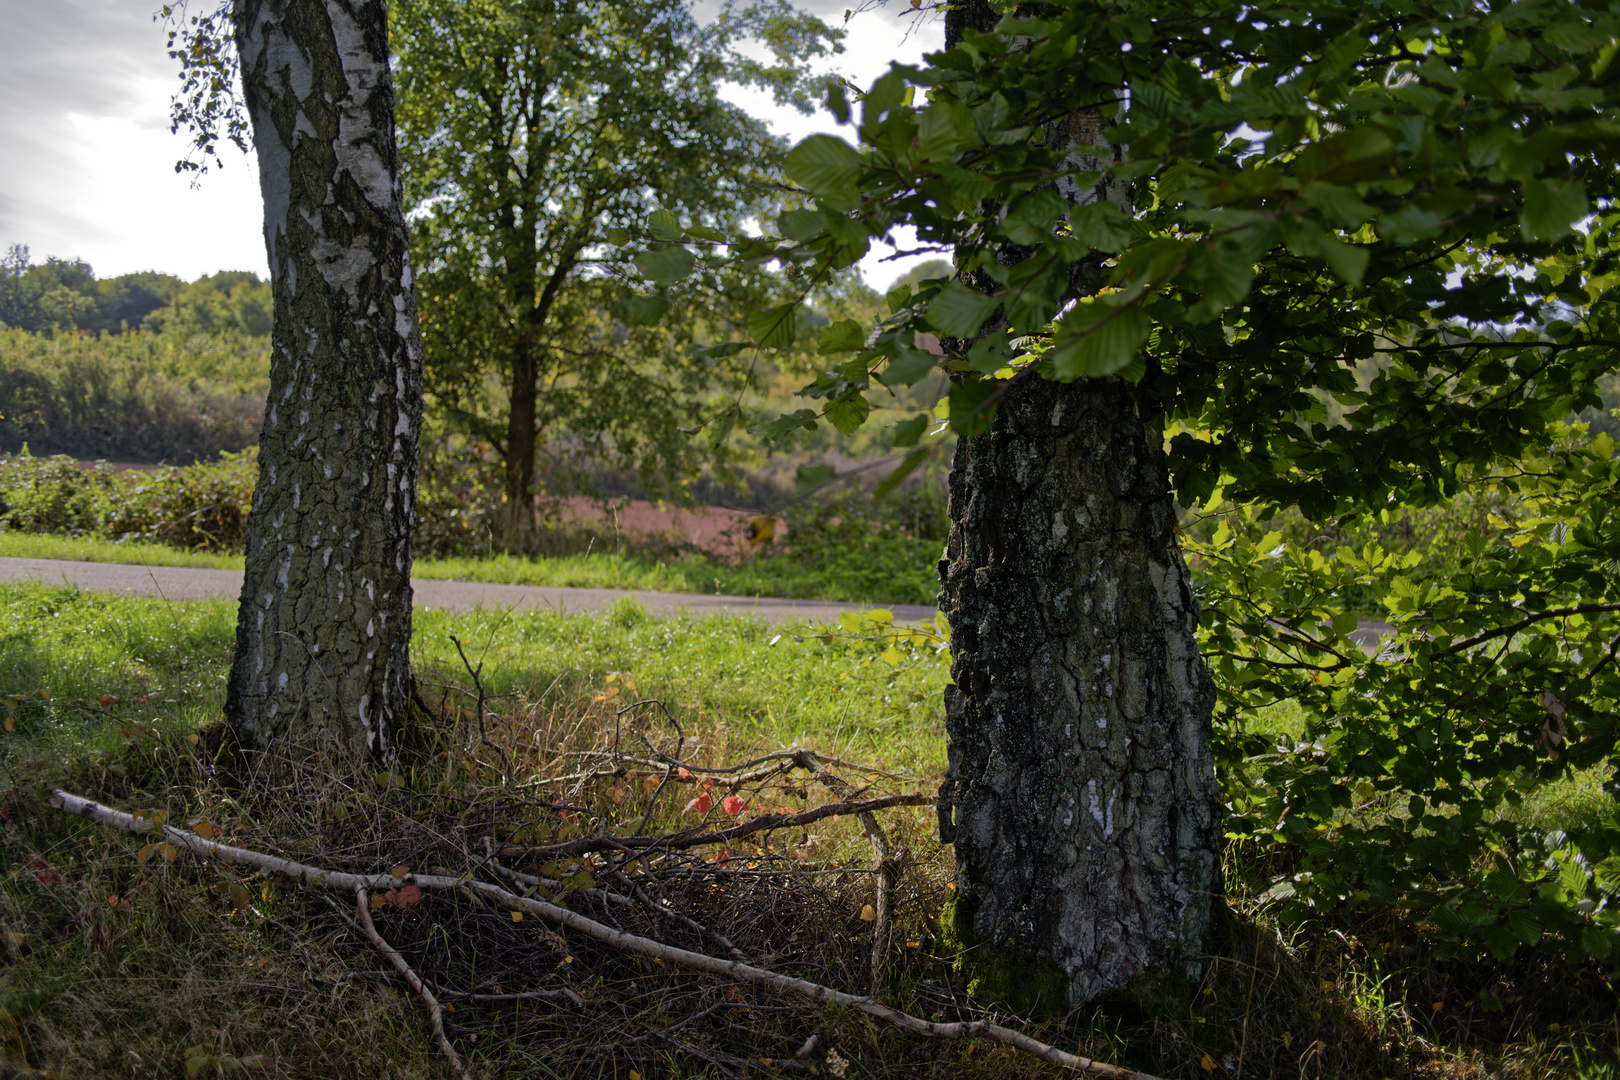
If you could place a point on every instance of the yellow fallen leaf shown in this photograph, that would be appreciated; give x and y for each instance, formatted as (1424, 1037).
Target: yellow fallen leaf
(204, 830)
(634, 1075)
(1206, 1063)
(400, 873)
(192, 738)
(517, 916)
(868, 913)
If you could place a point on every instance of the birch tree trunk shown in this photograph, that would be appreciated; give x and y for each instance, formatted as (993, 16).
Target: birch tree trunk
(322, 665)
(1080, 794)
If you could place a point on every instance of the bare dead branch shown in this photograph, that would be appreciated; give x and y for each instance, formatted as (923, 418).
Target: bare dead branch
(697, 838)
(435, 1010)
(888, 870)
(570, 920)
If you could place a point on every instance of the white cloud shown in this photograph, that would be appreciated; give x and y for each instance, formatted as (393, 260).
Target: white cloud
(88, 166)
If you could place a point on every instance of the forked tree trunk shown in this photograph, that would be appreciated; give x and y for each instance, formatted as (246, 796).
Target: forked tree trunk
(322, 665)
(1081, 794)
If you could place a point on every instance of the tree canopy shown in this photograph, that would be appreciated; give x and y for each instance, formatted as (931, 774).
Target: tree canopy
(1366, 261)
(533, 133)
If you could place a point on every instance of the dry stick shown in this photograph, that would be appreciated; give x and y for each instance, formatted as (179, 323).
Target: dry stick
(697, 838)
(334, 879)
(888, 870)
(435, 1010)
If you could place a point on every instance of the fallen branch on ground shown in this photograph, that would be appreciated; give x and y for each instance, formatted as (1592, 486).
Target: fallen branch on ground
(357, 883)
(697, 837)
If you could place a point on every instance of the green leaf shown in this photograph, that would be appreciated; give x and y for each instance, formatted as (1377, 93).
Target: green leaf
(1525, 926)
(1357, 154)
(617, 237)
(945, 129)
(1032, 217)
(666, 265)
(1596, 943)
(1101, 225)
(1408, 225)
(1500, 941)
(903, 470)
(664, 226)
(808, 478)
(971, 407)
(990, 354)
(908, 368)
(843, 336)
(801, 224)
(802, 418)
(837, 103)
(958, 311)
(825, 165)
(1097, 339)
(644, 310)
(1551, 207)
(907, 432)
(775, 328)
(849, 412)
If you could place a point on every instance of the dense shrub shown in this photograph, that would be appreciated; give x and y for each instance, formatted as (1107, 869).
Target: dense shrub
(133, 395)
(201, 507)
(53, 494)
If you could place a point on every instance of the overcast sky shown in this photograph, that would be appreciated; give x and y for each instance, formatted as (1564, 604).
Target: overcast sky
(87, 160)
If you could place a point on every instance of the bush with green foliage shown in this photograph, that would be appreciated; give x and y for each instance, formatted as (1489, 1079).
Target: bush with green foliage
(132, 395)
(1401, 781)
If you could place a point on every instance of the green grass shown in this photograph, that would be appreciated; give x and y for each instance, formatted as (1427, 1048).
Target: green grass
(774, 576)
(20, 545)
(726, 678)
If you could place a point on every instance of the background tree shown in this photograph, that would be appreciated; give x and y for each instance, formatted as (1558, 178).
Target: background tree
(533, 131)
(1304, 190)
(322, 664)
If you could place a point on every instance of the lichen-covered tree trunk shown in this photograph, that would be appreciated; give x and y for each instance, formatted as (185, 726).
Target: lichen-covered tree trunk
(1081, 792)
(322, 665)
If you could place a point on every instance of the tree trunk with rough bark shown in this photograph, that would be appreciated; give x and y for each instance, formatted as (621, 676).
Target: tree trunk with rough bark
(1080, 794)
(322, 666)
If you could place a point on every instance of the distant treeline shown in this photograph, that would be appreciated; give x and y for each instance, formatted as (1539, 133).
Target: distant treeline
(141, 366)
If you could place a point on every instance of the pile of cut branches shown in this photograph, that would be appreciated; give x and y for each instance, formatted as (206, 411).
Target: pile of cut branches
(548, 917)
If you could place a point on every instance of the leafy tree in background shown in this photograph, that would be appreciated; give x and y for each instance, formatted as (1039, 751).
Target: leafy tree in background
(1288, 193)
(533, 132)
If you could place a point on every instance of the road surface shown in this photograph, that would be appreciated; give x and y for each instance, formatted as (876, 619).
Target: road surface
(182, 583)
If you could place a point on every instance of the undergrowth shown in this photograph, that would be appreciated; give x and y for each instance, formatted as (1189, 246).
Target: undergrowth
(115, 961)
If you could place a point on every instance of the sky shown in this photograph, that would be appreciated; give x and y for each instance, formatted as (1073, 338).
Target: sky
(87, 158)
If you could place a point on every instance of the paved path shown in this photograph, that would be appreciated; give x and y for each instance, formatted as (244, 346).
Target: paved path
(178, 583)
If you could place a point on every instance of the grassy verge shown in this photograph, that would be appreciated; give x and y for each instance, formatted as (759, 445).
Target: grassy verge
(776, 576)
(111, 966)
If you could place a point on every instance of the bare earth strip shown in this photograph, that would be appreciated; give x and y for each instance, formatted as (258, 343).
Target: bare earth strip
(182, 583)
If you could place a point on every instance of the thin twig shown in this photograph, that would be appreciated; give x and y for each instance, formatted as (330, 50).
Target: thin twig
(697, 838)
(571, 920)
(888, 870)
(435, 1010)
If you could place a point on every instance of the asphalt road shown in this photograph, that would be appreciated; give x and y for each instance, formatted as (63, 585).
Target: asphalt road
(177, 583)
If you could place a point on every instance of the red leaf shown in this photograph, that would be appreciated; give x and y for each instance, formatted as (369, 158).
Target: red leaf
(407, 896)
(684, 773)
(733, 804)
(700, 805)
(708, 783)
(106, 700)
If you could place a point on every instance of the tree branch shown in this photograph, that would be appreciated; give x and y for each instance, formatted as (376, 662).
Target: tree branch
(333, 879)
(1514, 627)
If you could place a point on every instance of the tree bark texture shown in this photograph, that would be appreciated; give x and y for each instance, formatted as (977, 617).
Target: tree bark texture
(1081, 792)
(322, 664)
